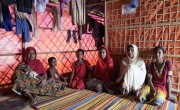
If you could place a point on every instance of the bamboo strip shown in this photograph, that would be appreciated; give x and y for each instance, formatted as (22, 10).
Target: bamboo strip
(147, 25)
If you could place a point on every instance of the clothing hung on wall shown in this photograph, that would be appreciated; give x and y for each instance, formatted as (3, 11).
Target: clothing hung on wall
(56, 19)
(7, 2)
(5, 17)
(78, 12)
(24, 6)
(23, 24)
(98, 32)
(62, 4)
(40, 5)
(1, 15)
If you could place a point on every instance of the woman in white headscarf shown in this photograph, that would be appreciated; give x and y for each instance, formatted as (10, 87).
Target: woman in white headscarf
(132, 71)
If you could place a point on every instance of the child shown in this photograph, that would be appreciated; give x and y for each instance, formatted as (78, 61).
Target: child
(80, 70)
(159, 80)
(51, 71)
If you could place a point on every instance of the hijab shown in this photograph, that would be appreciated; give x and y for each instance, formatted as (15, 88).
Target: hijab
(136, 58)
(35, 64)
(102, 66)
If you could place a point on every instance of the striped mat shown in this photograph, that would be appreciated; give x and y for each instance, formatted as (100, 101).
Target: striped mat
(82, 100)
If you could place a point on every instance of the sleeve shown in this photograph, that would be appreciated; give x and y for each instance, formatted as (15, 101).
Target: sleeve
(73, 65)
(169, 68)
(87, 63)
(111, 64)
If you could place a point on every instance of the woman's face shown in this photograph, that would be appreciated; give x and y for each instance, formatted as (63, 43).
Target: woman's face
(31, 55)
(80, 55)
(53, 62)
(130, 52)
(159, 54)
(103, 53)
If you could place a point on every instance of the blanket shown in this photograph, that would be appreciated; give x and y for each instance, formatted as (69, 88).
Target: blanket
(84, 99)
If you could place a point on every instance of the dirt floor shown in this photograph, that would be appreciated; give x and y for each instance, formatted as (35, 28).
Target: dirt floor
(11, 96)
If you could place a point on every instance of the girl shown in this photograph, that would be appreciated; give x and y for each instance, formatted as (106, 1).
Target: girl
(159, 79)
(132, 71)
(80, 70)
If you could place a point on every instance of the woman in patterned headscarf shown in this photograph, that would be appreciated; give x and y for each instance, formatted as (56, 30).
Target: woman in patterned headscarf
(132, 71)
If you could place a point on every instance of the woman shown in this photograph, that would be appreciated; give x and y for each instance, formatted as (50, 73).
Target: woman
(132, 71)
(103, 70)
(159, 80)
(25, 83)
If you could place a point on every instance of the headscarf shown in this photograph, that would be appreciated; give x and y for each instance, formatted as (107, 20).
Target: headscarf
(133, 71)
(102, 67)
(35, 64)
(135, 58)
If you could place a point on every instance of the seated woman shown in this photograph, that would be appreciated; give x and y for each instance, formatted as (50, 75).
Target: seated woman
(159, 80)
(132, 71)
(52, 71)
(80, 70)
(103, 71)
(29, 85)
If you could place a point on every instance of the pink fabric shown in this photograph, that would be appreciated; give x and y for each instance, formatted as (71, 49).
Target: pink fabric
(79, 75)
(35, 64)
(160, 82)
(104, 67)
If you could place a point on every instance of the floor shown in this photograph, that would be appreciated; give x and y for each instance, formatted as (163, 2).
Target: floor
(8, 96)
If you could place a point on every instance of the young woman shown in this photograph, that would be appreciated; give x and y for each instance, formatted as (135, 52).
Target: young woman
(103, 71)
(132, 71)
(159, 79)
(80, 70)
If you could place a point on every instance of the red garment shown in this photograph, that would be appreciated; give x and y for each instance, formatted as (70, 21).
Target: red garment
(80, 72)
(104, 67)
(160, 82)
(35, 64)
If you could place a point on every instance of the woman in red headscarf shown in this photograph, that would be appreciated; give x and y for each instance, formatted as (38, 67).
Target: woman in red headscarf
(25, 83)
(35, 64)
(103, 70)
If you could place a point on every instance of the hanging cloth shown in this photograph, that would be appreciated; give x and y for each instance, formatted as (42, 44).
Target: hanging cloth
(56, 19)
(1, 15)
(24, 6)
(78, 12)
(40, 5)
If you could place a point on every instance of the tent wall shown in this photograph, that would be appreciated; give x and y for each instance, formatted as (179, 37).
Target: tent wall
(49, 44)
(155, 22)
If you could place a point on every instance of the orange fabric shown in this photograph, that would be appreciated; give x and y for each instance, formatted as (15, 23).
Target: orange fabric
(104, 67)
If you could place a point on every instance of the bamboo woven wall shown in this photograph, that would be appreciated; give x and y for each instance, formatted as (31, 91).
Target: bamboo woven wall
(49, 44)
(156, 22)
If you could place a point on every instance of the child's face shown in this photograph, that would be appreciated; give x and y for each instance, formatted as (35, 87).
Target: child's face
(80, 55)
(103, 53)
(31, 55)
(159, 54)
(130, 52)
(53, 63)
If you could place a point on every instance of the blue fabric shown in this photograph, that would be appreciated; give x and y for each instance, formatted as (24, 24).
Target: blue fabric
(134, 4)
(7, 24)
(22, 27)
(68, 36)
(74, 36)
